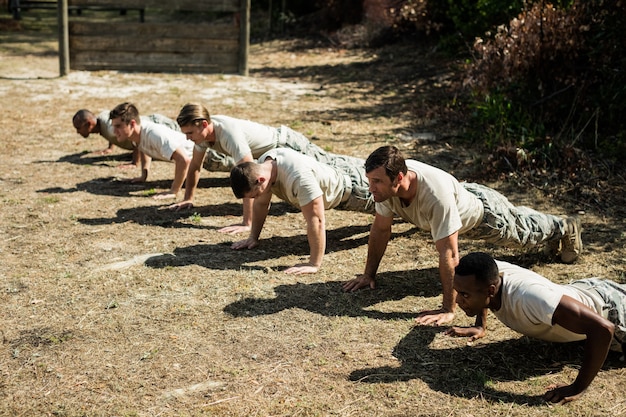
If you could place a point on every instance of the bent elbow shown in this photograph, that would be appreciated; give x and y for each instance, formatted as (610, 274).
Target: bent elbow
(604, 332)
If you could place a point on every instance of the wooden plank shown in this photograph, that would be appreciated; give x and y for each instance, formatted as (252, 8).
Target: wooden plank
(151, 62)
(110, 43)
(154, 30)
(137, 67)
(175, 67)
(214, 47)
(194, 5)
(155, 58)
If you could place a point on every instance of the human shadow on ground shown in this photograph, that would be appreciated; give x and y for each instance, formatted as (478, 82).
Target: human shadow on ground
(114, 186)
(111, 186)
(328, 298)
(164, 217)
(221, 256)
(80, 158)
(470, 371)
(149, 215)
(88, 158)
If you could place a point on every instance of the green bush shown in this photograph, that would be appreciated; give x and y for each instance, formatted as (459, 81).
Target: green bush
(462, 20)
(563, 67)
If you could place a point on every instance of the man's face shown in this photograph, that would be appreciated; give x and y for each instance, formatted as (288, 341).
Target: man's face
(257, 190)
(381, 186)
(470, 295)
(121, 130)
(84, 128)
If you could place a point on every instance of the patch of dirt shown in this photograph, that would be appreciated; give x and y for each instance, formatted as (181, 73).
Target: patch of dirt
(113, 305)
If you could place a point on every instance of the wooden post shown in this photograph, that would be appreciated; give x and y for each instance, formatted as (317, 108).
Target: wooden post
(244, 36)
(64, 44)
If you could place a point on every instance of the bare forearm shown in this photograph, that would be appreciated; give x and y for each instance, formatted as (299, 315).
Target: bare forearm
(481, 319)
(596, 350)
(376, 246)
(576, 317)
(446, 276)
(248, 210)
(260, 211)
(193, 176)
(316, 234)
(448, 250)
(145, 165)
(179, 176)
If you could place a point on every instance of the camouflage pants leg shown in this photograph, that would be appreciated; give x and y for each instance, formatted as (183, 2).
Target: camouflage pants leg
(288, 138)
(163, 120)
(360, 198)
(614, 309)
(215, 161)
(515, 226)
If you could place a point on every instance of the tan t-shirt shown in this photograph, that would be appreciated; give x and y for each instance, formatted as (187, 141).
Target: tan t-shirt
(160, 142)
(106, 131)
(238, 137)
(441, 206)
(106, 128)
(529, 301)
(301, 179)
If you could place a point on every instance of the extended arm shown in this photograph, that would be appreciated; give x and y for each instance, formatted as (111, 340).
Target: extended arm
(109, 149)
(181, 162)
(578, 318)
(134, 161)
(260, 209)
(380, 233)
(193, 176)
(448, 260)
(244, 226)
(316, 234)
(145, 168)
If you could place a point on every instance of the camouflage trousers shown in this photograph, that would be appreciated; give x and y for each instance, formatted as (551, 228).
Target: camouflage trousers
(513, 226)
(289, 138)
(215, 161)
(285, 138)
(356, 196)
(163, 120)
(613, 296)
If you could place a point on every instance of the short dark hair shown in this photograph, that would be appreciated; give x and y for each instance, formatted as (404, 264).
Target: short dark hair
(388, 157)
(243, 178)
(126, 111)
(81, 117)
(481, 265)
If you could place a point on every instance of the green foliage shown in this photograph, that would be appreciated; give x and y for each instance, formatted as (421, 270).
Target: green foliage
(469, 18)
(508, 130)
(559, 73)
(51, 199)
(501, 122)
(475, 17)
(195, 218)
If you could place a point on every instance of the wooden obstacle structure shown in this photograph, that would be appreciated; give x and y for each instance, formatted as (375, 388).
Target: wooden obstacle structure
(182, 36)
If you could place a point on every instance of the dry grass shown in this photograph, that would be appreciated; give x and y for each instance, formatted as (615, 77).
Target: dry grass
(113, 306)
